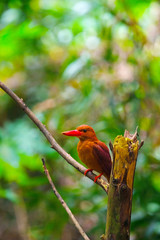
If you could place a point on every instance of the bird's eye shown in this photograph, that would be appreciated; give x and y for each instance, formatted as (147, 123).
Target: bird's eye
(84, 130)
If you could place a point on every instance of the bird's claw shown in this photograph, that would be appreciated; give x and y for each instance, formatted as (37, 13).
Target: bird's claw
(95, 179)
(88, 170)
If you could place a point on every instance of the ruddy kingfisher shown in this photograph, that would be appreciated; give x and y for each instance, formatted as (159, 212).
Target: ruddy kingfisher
(92, 152)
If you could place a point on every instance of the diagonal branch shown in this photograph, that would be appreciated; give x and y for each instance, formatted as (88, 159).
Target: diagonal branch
(50, 138)
(63, 202)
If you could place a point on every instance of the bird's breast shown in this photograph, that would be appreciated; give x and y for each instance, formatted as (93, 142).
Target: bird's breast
(85, 152)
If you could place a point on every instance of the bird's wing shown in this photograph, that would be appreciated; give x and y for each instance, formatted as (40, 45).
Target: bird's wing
(101, 152)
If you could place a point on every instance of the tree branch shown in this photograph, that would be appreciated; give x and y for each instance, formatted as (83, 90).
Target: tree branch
(111, 146)
(63, 202)
(50, 138)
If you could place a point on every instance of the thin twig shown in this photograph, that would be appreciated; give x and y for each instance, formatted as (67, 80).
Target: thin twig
(63, 202)
(111, 146)
(140, 145)
(50, 138)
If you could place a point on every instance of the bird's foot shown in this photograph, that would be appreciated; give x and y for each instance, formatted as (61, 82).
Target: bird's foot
(88, 170)
(95, 179)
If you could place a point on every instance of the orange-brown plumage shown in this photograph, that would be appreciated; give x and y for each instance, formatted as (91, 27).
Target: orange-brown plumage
(92, 152)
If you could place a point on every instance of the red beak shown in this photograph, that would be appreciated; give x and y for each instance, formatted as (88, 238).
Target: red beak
(74, 133)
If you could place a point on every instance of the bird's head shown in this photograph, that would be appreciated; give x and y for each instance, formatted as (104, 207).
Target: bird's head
(83, 132)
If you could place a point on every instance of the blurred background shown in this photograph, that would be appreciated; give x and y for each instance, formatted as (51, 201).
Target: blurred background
(76, 62)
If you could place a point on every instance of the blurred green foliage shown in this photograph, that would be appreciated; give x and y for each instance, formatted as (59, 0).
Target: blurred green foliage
(76, 62)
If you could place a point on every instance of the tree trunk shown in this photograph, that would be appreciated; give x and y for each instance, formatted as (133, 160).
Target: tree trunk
(125, 151)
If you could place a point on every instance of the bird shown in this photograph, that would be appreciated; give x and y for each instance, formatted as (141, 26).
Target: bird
(91, 151)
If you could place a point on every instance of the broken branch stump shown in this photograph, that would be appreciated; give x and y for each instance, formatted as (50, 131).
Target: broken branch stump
(125, 152)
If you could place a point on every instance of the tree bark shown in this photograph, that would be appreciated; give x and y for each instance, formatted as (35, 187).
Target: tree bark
(125, 152)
